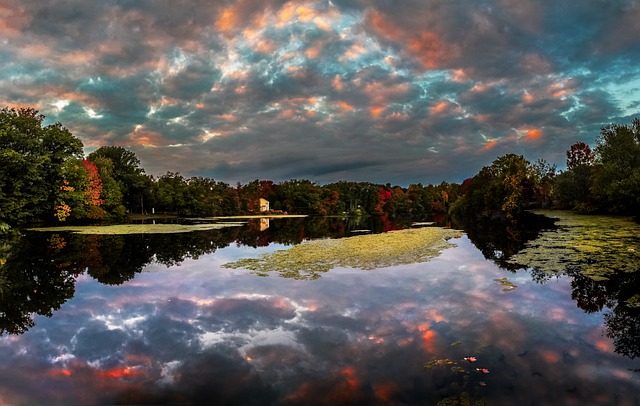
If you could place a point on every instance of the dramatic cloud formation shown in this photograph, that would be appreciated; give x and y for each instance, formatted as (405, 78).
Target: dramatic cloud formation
(384, 91)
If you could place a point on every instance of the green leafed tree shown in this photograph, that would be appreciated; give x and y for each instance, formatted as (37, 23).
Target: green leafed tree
(111, 195)
(572, 189)
(502, 190)
(126, 171)
(32, 161)
(616, 178)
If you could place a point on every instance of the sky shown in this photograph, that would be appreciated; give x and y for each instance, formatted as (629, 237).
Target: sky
(406, 91)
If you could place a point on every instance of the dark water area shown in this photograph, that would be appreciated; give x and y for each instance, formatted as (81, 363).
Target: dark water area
(158, 319)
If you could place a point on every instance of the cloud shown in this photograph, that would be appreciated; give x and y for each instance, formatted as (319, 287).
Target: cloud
(217, 87)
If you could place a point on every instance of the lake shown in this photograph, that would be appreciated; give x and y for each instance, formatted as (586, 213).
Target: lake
(161, 319)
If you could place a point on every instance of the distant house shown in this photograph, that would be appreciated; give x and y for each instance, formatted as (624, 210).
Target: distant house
(264, 204)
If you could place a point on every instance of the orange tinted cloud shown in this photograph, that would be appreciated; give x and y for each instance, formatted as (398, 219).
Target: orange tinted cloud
(266, 47)
(78, 58)
(561, 89)
(305, 14)
(549, 356)
(431, 50)
(527, 97)
(59, 372)
(35, 51)
(116, 373)
(427, 46)
(381, 25)
(141, 136)
(384, 94)
(376, 111)
(12, 21)
(322, 24)
(312, 52)
(344, 106)
(337, 83)
(459, 75)
(287, 114)
(226, 20)
(228, 117)
(354, 52)
(286, 12)
(533, 134)
(439, 107)
(254, 29)
(490, 144)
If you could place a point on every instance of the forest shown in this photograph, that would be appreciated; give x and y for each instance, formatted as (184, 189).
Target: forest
(45, 178)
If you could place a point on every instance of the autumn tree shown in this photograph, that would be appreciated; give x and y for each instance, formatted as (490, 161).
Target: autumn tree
(80, 192)
(127, 172)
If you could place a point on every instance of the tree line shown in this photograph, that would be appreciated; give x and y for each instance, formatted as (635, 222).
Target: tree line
(603, 180)
(45, 177)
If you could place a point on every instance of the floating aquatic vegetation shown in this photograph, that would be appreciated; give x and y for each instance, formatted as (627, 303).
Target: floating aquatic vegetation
(311, 258)
(457, 389)
(122, 229)
(596, 246)
(633, 301)
(507, 285)
(438, 362)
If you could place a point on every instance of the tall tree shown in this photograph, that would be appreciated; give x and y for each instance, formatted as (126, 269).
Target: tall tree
(32, 158)
(616, 180)
(501, 190)
(110, 194)
(572, 189)
(126, 170)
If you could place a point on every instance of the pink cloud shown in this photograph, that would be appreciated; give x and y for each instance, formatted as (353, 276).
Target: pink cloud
(427, 47)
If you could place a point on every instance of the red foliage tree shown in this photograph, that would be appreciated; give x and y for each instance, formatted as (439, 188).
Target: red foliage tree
(93, 190)
(384, 195)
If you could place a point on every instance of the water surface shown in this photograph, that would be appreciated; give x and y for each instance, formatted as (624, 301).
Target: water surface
(146, 320)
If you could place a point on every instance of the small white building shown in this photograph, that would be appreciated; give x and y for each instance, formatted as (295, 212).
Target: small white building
(264, 204)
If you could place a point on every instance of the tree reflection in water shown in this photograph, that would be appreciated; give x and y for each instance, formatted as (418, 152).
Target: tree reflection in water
(38, 270)
(499, 241)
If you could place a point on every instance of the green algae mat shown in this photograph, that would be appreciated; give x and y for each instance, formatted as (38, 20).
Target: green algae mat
(310, 259)
(596, 246)
(122, 229)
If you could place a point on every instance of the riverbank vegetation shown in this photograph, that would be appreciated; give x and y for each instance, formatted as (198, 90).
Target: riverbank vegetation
(46, 179)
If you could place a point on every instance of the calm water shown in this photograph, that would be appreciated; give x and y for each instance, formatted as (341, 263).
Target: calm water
(158, 320)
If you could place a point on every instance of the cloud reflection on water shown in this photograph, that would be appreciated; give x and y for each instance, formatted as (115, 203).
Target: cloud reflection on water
(198, 333)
